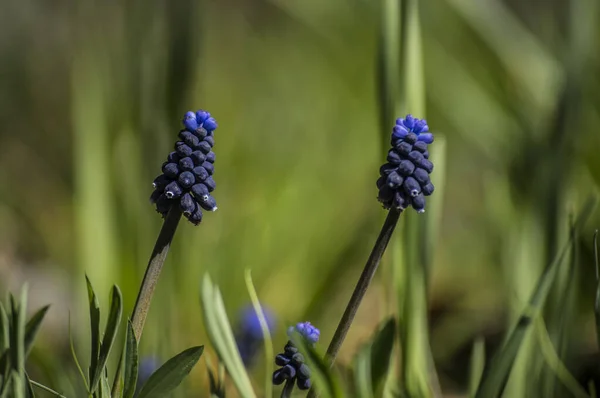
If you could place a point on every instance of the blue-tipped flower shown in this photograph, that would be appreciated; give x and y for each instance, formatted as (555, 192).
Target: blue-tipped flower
(291, 361)
(249, 337)
(186, 180)
(404, 179)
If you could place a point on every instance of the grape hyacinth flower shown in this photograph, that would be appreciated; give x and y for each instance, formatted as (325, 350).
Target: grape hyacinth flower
(404, 180)
(146, 367)
(293, 369)
(183, 188)
(186, 179)
(249, 337)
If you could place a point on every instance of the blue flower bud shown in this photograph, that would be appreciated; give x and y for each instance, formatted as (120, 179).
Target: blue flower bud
(161, 182)
(186, 179)
(415, 156)
(210, 124)
(426, 154)
(196, 217)
(210, 184)
(400, 200)
(427, 189)
(199, 191)
(298, 359)
(420, 126)
(308, 331)
(190, 139)
(186, 164)
(420, 146)
(282, 360)
(411, 138)
(173, 157)
(155, 195)
(190, 122)
(201, 116)
(171, 170)
(187, 204)
(418, 203)
(409, 121)
(425, 164)
(387, 168)
(406, 168)
(203, 146)
(399, 132)
(426, 138)
(278, 377)
(173, 190)
(303, 371)
(385, 193)
(303, 384)
(393, 157)
(411, 186)
(403, 148)
(208, 203)
(209, 167)
(210, 157)
(198, 157)
(200, 173)
(183, 150)
(394, 180)
(381, 181)
(421, 175)
(288, 371)
(200, 133)
(210, 139)
(163, 204)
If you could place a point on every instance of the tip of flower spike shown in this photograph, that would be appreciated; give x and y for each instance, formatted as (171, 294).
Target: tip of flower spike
(306, 330)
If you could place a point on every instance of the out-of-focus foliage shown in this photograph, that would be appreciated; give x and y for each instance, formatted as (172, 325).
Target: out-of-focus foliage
(90, 98)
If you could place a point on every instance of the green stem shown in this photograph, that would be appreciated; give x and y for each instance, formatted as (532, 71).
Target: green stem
(287, 389)
(155, 265)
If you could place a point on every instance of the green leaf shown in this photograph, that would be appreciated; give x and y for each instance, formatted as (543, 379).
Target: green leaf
(131, 362)
(79, 368)
(3, 329)
(362, 373)
(18, 390)
(103, 386)
(381, 352)
(220, 334)
(17, 337)
(95, 330)
(110, 333)
(268, 343)
(496, 374)
(32, 328)
(171, 374)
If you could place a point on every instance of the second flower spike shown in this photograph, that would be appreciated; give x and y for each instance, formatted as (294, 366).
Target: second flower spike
(187, 180)
(404, 180)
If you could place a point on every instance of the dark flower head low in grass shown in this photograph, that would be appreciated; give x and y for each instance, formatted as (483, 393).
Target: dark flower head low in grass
(249, 336)
(291, 361)
(186, 180)
(404, 180)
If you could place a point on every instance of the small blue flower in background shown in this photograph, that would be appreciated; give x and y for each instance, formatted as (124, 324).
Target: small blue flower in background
(249, 337)
(146, 367)
(404, 180)
(187, 180)
(291, 360)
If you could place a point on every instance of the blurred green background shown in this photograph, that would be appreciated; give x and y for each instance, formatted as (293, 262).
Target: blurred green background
(91, 98)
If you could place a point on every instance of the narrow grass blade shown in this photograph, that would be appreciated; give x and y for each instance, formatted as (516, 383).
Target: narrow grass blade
(17, 386)
(362, 373)
(17, 337)
(476, 366)
(555, 363)
(32, 327)
(171, 374)
(47, 389)
(264, 326)
(95, 330)
(131, 363)
(74, 355)
(110, 333)
(221, 336)
(3, 330)
(495, 376)
(103, 386)
(381, 351)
